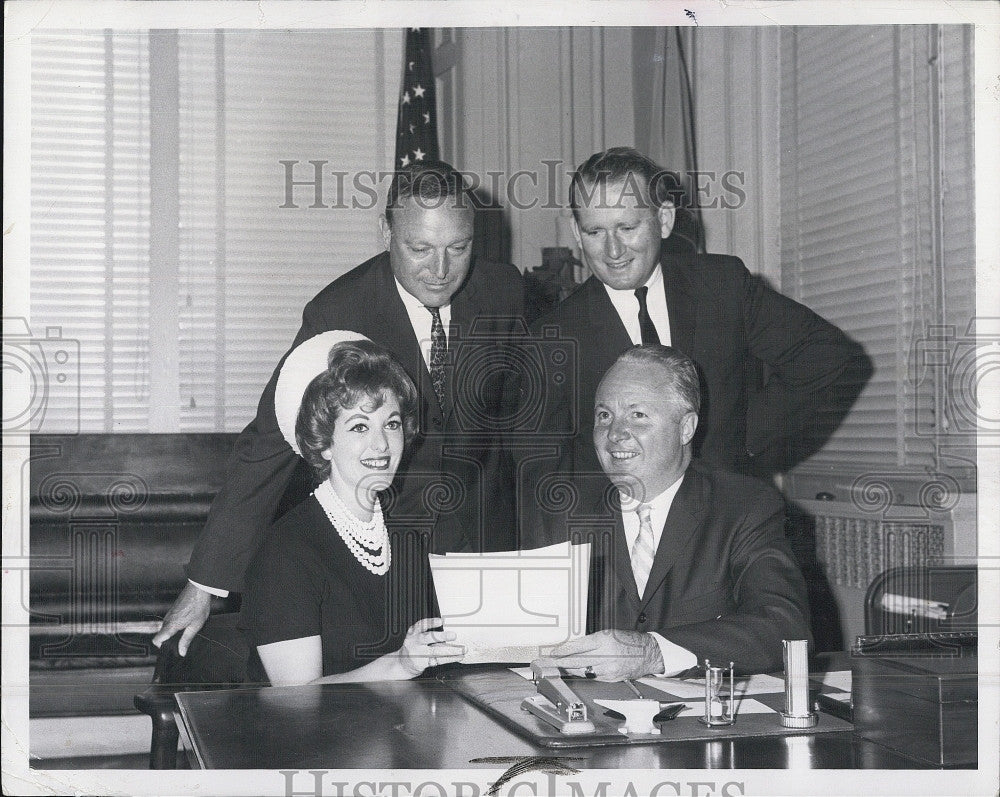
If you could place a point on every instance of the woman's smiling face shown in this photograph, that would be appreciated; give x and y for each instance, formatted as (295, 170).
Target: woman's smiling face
(365, 449)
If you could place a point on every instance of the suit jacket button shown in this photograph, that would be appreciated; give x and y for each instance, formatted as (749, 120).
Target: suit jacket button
(437, 423)
(642, 617)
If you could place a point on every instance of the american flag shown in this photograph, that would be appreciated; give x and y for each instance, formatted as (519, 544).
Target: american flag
(416, 125)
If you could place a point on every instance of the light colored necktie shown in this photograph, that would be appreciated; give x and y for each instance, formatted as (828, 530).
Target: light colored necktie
(642, 550)
(439, 356)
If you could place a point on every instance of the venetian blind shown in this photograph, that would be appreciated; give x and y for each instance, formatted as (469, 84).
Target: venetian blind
(294, 96)
(957, 430)
(90, 225)
(245, 265)
(863, 243)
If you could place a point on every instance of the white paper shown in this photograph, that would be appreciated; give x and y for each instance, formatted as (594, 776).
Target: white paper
(839, 679)
(688, 689)
(759, 685)
(697, 709)
(513, 606)
(746, 706)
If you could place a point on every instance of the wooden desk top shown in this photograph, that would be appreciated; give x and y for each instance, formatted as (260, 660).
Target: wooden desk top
(423, 724)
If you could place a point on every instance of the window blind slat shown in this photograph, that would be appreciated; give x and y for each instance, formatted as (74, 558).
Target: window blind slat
(856, 215)
(246, 100)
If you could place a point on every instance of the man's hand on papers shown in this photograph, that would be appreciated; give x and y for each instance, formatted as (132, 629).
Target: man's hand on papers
(425, 648)
(609, 655)
(189, 613)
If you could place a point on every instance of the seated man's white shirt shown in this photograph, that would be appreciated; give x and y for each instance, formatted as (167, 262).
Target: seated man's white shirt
(627, 307)
(675, 658)
(421, 320)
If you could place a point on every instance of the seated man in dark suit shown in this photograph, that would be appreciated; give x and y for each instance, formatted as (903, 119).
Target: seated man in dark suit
(436, 311)
(688, 562)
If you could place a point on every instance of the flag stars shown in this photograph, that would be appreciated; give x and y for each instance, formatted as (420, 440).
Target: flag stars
(415, 126)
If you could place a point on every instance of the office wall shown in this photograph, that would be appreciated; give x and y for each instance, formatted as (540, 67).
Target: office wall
(728, 157)
(735, 79)
(179, 181)
(519, 97)
(524, 96)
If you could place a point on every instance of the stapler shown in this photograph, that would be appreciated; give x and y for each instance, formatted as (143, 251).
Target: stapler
(556, 703)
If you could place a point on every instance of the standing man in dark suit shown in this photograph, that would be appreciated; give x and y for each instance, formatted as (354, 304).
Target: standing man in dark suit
(689, 562)
(707, 306)
(445, 319)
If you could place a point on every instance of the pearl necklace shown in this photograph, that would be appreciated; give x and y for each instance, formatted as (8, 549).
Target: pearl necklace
(360, 537)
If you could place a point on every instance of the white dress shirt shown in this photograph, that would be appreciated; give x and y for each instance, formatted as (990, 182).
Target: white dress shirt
(627, 306)
(421, 321)
(675, 658)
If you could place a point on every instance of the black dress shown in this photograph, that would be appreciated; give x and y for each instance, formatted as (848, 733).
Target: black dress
(304, 581)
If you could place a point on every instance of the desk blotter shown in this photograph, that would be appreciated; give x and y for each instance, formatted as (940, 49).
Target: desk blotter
(499, 693)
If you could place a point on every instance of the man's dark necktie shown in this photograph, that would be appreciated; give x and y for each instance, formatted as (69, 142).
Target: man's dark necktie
(439, 356)
(646, 328)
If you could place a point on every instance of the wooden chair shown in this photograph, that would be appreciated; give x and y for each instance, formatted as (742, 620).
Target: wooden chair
(216, 659)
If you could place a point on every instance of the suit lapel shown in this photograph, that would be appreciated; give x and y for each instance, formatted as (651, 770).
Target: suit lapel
(609, 333)
(682, 305)
(463, 316)
(610, 503)
(605, 339)
(686, 514)
(396, 333)
(623, 564)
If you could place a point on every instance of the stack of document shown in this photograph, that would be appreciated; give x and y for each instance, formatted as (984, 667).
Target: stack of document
(513, 606)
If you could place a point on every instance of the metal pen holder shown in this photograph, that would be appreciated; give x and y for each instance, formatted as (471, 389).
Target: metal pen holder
(720, 708)
(798, 711)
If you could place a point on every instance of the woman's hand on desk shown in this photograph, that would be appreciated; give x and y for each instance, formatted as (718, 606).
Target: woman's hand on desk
(300, 661)
(425, 647)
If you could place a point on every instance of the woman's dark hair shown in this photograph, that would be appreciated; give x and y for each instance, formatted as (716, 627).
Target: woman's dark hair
(357, 370)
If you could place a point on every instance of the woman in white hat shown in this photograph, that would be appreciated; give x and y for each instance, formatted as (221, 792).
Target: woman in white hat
(320, 602)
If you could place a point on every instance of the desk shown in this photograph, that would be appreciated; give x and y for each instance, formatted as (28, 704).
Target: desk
(423, 724)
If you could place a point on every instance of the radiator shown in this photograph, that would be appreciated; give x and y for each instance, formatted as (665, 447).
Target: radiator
(853, 551)
(854, 545)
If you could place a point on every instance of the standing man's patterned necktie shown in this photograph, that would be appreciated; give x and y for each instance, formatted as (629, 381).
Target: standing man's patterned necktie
(642, 550)
(439, 356)
(646, 327)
